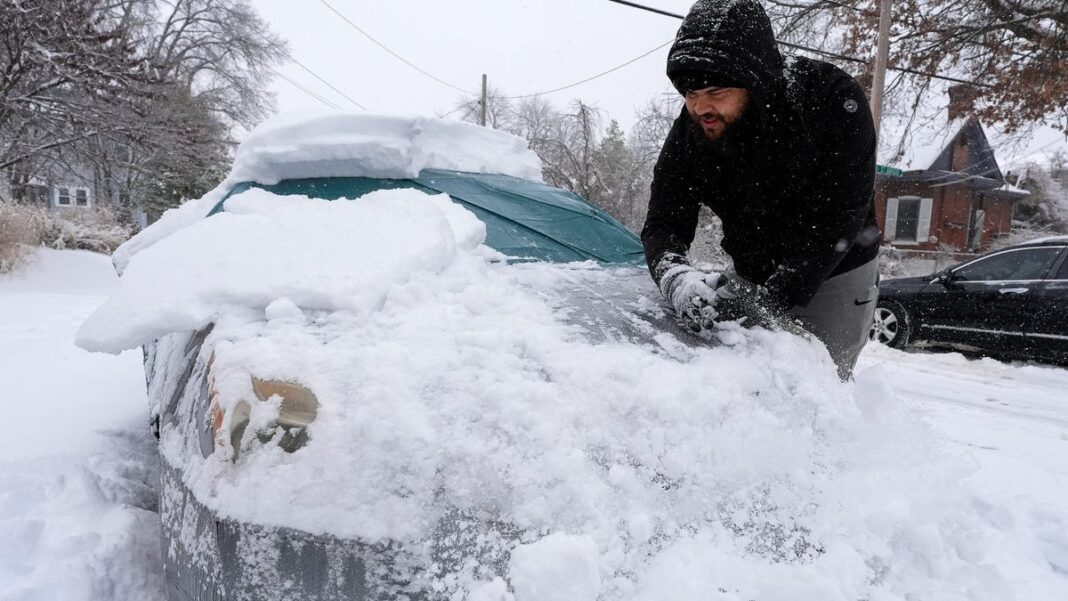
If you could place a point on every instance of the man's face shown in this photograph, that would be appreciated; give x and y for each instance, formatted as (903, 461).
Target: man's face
(715, 109)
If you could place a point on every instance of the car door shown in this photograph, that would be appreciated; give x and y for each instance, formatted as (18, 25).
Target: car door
(1047, 331)
(986, 303)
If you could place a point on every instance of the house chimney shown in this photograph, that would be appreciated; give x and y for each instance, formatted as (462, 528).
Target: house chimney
(962, 99)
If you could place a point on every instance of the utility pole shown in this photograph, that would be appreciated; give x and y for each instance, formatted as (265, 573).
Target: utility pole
(482, 117)
(882, 56)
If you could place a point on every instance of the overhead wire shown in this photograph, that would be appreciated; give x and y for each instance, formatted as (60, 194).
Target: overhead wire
(592, 77)
(300, 87)
(818, 51)
(391, 52)
(302, 66)
(328, 84)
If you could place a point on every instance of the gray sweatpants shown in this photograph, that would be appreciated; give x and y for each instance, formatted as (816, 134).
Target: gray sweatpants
(840, 314)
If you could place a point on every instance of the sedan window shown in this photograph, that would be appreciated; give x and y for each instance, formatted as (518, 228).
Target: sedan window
(1063, 273)
(1024, 264)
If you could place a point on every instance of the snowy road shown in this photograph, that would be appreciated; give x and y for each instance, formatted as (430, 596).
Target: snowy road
(76, 467)
(1013, 418)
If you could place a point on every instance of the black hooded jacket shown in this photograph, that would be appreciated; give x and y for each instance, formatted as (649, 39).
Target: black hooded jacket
(791, 181)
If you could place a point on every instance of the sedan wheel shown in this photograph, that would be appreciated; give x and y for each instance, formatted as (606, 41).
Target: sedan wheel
(890, 326)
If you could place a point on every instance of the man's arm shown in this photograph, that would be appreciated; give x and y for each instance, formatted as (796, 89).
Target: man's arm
(671, 222)
(840, 204)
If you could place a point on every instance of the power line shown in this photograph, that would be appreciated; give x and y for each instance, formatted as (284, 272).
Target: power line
(328, 84)
(593, 77)
(302, 66)
(839, 5)
(395, 55)
(648, 8)
(313, 74)
(825, 53)
(307, 91)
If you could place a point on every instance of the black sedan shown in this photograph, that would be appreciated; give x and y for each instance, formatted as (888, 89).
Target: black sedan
(1010, 303)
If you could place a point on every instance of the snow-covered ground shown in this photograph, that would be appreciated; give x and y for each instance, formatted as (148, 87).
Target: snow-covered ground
(77, 459)
(77, 466)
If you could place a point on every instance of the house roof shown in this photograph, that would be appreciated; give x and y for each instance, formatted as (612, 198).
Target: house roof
(932, 150)
(929, 158)
(913, 138)
(914, 147)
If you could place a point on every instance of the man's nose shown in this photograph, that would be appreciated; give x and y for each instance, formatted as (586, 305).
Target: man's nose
(704, 105)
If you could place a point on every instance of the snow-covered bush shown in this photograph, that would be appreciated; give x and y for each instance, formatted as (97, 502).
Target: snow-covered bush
(99, 230)
(1046, 210)
(24, 227)
(20, 231)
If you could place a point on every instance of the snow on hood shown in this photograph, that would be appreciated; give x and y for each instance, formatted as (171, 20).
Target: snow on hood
(608, 471)
(325, 255)
(305, 145)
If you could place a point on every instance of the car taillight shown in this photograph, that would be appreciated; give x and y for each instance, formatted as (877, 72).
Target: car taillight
(298, 407)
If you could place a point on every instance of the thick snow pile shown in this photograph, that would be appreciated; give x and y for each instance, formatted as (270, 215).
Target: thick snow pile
(77, 458)
(350, 145)
(452, 392)
(265, 246)
(361, 145)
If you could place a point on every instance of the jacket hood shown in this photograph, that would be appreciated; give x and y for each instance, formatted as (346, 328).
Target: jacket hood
(731, 39)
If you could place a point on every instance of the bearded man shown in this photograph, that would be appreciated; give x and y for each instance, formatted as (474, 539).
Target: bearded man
(783, 152)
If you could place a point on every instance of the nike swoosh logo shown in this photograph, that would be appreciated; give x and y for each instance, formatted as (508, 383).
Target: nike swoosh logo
(858, 303)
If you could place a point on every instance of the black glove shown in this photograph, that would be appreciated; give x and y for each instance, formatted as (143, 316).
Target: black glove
(746, 303)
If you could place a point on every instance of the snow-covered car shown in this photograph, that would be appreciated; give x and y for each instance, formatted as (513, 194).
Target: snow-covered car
(456, 382)
(606, 293)
(1010, 303)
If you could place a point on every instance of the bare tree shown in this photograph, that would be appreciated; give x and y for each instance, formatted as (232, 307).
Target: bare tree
(1016, 49)
(654, 122)
(220, 52)
(579, 154)
(66, 75)
(137, 96)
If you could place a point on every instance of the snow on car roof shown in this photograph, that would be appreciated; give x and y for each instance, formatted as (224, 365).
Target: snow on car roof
(361, 145)
(1046, 240)
(304, 145)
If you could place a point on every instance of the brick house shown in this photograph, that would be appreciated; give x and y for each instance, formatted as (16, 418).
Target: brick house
(952, 196)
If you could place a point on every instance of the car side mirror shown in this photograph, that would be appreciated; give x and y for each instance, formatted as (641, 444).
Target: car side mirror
(948, 278)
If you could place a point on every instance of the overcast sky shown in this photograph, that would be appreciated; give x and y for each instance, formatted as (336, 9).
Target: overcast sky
(524, 46)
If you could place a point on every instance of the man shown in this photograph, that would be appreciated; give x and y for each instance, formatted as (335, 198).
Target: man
(783, 151)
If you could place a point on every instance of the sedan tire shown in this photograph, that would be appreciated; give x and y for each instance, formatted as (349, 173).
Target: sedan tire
(891, 326)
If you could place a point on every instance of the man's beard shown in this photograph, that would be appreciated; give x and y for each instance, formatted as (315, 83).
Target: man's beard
(735, 137)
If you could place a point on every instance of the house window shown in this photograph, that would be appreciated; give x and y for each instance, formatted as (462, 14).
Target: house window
(63, 197)
(1063, 273)
(908, 219)
(71, 196)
